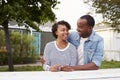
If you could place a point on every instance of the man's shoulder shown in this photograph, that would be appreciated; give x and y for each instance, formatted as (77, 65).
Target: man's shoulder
(96, 37)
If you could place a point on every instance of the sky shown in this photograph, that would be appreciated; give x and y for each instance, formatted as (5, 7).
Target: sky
(71, 10)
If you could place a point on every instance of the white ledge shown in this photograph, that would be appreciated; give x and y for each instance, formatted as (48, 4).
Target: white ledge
(101, 74)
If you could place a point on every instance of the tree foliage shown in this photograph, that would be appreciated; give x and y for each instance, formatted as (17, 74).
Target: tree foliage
(27, 11)
(110, 10)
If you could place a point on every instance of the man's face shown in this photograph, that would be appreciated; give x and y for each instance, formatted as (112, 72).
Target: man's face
(83, 28)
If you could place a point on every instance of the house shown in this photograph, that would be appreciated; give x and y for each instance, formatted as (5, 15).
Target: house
(41, 38)
(14, 26)
(111, 41)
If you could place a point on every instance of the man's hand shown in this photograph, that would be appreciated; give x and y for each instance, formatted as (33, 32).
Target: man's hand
(67, 68)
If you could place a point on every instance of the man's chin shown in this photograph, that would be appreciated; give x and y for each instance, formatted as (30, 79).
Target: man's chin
(80, 33)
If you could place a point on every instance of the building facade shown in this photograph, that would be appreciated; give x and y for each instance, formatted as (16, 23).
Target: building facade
(111, 42)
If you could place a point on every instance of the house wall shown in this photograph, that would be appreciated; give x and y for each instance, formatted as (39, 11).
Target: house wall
(45, 38)
(36, 42)
(111, 44)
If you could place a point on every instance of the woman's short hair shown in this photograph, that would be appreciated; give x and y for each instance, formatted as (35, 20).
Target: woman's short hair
(55, 26)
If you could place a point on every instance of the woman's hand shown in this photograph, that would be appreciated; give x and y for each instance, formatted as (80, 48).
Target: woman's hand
(55, 68)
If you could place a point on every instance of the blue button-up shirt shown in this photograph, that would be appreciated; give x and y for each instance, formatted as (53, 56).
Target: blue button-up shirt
(93, 47)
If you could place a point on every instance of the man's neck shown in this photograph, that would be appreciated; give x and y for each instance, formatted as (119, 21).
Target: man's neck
(88, 35)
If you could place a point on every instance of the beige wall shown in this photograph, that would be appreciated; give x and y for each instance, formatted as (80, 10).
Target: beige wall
(111, 44)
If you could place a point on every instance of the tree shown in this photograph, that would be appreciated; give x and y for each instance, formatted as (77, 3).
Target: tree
(27, 12)
(110, 10)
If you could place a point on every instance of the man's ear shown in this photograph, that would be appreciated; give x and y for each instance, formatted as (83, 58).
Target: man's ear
(90, 27)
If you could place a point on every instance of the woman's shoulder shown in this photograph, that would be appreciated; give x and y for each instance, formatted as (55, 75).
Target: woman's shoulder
(71, 45)
(50, 43)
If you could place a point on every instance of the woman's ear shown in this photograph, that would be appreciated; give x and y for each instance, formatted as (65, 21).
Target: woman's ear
(56, 33)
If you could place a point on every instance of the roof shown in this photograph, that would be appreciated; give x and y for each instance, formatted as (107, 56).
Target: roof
(45, 27)
(102, 26)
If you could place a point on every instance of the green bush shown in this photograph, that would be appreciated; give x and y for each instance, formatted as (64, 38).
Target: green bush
(3, 55)
(22, 48)
(2, 38)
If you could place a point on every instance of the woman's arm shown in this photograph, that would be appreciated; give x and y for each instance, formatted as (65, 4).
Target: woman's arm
(46, 58)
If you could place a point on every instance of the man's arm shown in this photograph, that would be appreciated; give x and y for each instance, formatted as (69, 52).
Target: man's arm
(89, 66)
(96, 60)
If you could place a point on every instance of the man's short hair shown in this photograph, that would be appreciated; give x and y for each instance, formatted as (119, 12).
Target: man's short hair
(90, 20)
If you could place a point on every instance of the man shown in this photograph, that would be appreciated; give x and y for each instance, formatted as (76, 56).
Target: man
(89, 45)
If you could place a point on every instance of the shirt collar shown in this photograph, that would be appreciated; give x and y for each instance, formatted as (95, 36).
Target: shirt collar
(91, 36)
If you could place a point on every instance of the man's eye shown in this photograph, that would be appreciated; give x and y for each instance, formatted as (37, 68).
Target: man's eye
(80, 26)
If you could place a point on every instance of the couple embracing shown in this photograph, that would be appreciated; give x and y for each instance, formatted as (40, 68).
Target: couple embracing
(81, 50)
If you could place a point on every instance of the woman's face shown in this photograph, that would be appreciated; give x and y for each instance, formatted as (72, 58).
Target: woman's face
(62, 32)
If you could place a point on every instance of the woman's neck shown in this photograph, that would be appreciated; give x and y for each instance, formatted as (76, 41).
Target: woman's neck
(61, 43)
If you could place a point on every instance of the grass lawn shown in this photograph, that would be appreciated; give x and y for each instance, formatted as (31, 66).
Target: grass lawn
(111, 64)
(105, 65)
(23, 68)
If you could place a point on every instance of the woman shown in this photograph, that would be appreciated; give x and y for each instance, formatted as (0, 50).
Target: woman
(60, 52)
